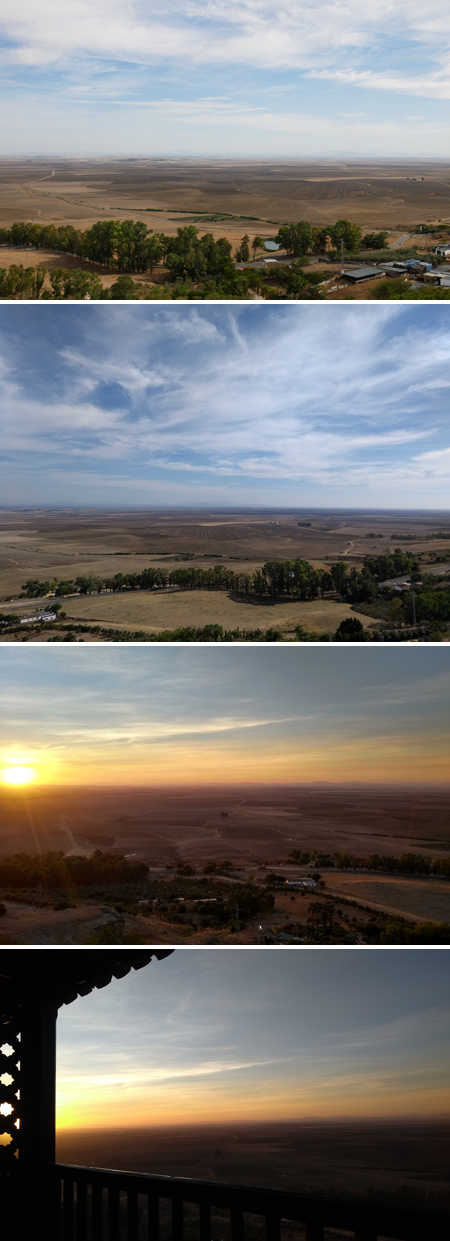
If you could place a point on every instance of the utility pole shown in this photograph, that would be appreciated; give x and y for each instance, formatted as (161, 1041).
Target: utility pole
(236, 914)
(413, 608)
(341, 242)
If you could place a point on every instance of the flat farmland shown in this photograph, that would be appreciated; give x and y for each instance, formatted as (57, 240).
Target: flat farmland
(66, 543)
(315, 1156)
(246, 824)
(259, 194)
(422, 900)
(154, 612)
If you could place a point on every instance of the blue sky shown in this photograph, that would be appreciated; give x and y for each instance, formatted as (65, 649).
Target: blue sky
(151, 715)
(214, 78)
(214, 1035)
(240, 405)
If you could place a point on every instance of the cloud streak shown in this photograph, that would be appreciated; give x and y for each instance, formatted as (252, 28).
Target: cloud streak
(244, 399)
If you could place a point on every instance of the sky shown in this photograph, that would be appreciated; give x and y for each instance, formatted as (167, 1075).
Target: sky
(240, 405)
(211, 1035)
(151, 715)
(225, 79)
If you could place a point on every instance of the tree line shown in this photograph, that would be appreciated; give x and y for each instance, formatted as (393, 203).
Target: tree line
(304, 238)
(405, 864)
(428, 603)
(289, 577)
(57, 870)
(276, 578)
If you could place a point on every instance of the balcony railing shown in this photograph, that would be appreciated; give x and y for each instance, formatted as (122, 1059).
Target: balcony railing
(93, 1204)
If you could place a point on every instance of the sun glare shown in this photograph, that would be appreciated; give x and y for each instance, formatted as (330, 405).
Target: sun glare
(19, 775)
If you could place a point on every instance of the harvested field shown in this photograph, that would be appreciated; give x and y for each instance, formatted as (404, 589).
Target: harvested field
(374, 194)
(61, 543)
(316, 1156)
(419, 899)
(248, 824)
(155, 612)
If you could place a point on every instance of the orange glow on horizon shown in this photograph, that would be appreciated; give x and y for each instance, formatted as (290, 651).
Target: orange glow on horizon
(418, 761)
(332, 1100)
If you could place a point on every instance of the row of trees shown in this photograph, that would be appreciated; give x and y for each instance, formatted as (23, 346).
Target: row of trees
(304, 238)
(276, 578)
(78, 283)
(405, 864)
(129, 245)
(55, 870)
(288, 577)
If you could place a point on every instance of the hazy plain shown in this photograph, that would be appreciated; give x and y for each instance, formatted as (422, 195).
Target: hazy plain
(393, 194)
(65, 544)
(405, 1159)
(246, 823)
(249, 827)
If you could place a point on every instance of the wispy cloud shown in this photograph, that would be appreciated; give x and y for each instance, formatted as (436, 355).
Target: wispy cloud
(322, 399)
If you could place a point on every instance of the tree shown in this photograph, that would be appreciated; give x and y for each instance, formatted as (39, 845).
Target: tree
(395, 611)
(374, 241)
(350, 234)
(350, 630)
(257, 244)
(338, 573)
(35, 589)
(295, 238)
(392, 287)
(245, 249)
(124, 289)
(319, 239)
(39, 277)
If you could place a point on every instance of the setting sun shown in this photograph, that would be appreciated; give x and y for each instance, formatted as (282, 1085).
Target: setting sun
(19, 775)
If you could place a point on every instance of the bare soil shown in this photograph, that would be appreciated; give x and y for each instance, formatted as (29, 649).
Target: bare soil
(423, 900)
(68, 543)
(374, 194)
(408, 1158)
(155, 612)
(246, 824)
(255, 196)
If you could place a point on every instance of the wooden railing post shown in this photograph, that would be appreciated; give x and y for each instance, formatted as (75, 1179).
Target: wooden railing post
(314, 1231)
(205, 1221)
(67, 1209)
(113, 1212)
(272, 1227)
(132, 1215)
(81, 1210)
(237, 1224)
(97, 1211)
(153, 1218)
(177, 1219)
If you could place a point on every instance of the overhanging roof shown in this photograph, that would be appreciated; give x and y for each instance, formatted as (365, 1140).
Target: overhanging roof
(63, 975)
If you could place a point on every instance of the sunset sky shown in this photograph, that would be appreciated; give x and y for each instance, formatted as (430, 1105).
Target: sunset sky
(211, 1035)
(146, 405)
(154, 715)
(217, 79)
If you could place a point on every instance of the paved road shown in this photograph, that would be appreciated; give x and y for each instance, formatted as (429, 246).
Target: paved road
(406, 237)
(436, 570)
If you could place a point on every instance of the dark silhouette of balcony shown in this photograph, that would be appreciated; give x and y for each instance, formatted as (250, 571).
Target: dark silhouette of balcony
(42, 1200)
